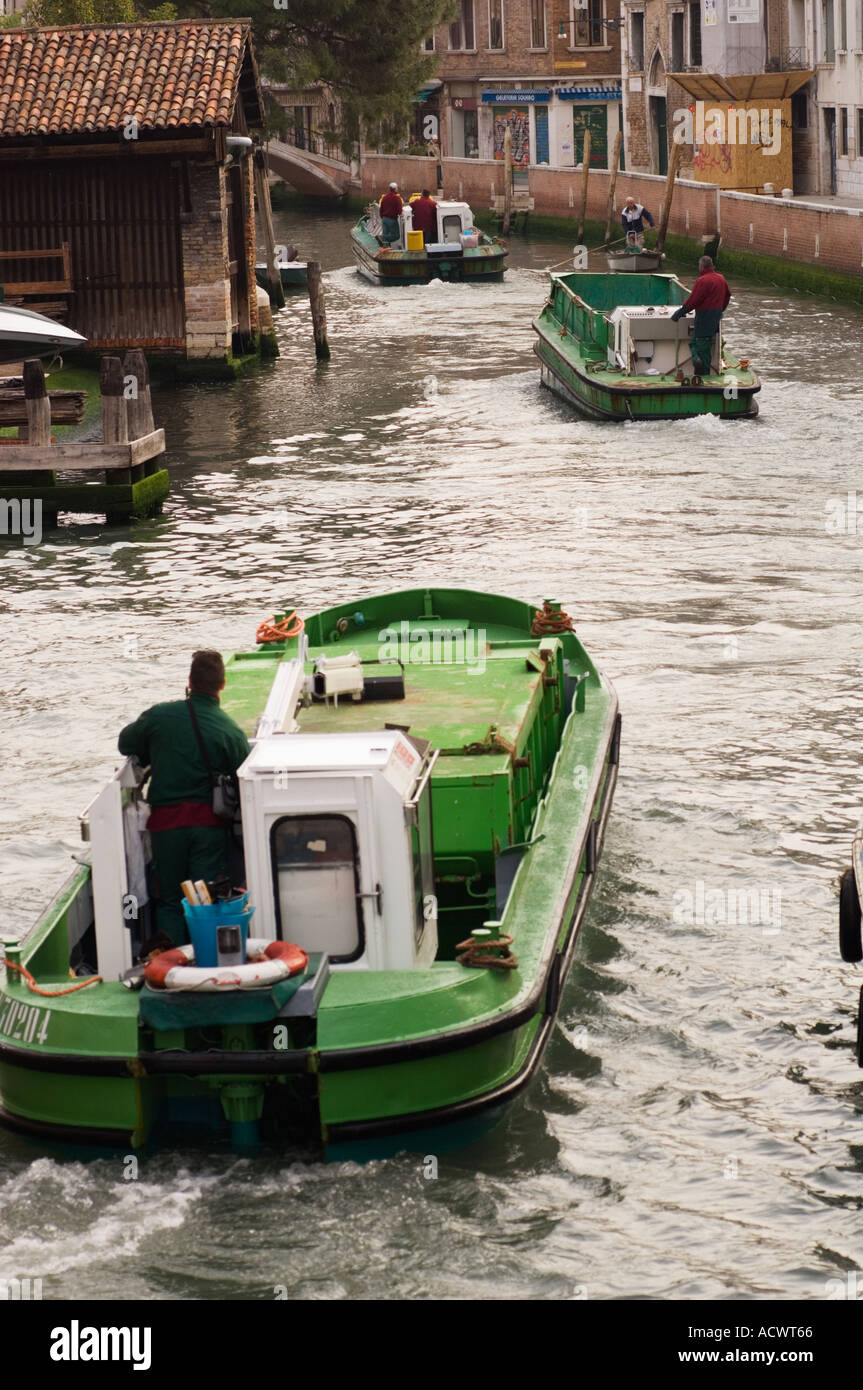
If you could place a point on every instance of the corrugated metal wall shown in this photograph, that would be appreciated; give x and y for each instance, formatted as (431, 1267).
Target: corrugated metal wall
(121, 219)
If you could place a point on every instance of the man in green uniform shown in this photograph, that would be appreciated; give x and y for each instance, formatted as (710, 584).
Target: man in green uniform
(188, 839)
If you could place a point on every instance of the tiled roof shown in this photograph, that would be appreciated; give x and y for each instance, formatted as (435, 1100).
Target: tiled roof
(87, 79)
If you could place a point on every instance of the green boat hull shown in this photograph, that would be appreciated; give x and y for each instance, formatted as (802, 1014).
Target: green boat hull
(573, 337)
(403, 1059)
(484, 263)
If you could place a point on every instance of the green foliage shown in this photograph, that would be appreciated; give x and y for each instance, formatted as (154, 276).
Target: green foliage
(58, 12)
(369, 51)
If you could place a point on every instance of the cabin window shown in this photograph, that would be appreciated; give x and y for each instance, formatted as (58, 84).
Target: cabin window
(636, 41)
(316, 882)
(452, 228)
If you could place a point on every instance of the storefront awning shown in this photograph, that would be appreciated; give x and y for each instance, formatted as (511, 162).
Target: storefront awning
(604, 91)
(760, 86)
(433, 85)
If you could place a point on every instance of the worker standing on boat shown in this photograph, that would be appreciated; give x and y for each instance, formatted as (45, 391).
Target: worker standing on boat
(424, 211)
(391, 206)
(709, 299)
(632, 219)
(188, 839)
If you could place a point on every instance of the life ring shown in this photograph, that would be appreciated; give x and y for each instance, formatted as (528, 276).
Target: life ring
(176, 969)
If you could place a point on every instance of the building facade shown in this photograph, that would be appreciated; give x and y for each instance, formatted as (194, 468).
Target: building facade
(833, 35)
(746, 59)
(546, 69)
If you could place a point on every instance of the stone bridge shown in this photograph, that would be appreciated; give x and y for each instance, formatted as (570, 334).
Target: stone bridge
(316, 175)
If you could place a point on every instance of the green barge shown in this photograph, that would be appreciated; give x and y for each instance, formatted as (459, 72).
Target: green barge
(423, 811)
(608, 346)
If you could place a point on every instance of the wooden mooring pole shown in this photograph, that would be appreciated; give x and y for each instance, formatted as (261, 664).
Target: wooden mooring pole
(612, 184)
(139, 406)
(275, 288)
(36, 402)
(507, 180)
(585, 160)
(669, 194)
(319, 310)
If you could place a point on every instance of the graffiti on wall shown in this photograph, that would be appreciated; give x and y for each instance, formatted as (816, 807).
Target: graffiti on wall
(519, 124)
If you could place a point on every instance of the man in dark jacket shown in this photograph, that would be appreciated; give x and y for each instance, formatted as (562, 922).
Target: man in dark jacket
(709, 299)
(632, 219)
(424, 211)
(391, 206)
(188, 839)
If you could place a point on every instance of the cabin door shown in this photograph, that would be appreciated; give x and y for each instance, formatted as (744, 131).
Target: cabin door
(317, 884)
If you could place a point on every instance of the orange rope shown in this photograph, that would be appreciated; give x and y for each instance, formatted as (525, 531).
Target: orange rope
(50, 993)
(547, 621)
(281, 631)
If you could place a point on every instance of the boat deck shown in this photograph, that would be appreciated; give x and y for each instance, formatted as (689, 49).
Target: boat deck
(452, 703)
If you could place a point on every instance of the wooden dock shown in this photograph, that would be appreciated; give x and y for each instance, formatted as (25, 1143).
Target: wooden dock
(132, 484)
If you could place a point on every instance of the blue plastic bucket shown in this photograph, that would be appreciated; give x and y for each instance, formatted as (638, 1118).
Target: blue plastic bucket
(203, 919)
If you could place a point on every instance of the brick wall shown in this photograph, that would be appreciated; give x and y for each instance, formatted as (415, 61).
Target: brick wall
(205, 263)
(827, 236)
(518, 59)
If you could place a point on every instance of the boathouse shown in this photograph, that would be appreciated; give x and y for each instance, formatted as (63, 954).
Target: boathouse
(126, 196)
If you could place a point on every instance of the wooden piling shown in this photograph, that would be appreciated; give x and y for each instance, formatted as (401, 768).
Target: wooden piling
(37, 404)
(585, 172)
(507, 180)
(319, 311)
(275, 288)
(612, 184)
(669, 194)
(139, 406)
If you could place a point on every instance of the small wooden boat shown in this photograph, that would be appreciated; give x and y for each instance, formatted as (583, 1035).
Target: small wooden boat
(461, 252)
(25, 334)
(293, 275)
(431, 856)
(636, 260)
(608, 346)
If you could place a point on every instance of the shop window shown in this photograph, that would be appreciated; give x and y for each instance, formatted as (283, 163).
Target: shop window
(495, 24)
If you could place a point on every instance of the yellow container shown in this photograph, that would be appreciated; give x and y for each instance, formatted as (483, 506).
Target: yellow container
(415, 241)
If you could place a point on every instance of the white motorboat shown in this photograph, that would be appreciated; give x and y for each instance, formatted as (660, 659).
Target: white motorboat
(25, 334)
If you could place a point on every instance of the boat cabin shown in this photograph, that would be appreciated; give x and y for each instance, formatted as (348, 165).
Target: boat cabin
(455, 228)
(337, 830)
(643, 340)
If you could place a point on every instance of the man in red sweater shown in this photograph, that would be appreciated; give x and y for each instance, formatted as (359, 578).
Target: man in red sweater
(709, 299)
(391, 206)
(424, 211)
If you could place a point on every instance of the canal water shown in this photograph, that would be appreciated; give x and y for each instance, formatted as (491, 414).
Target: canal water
(695, 1130)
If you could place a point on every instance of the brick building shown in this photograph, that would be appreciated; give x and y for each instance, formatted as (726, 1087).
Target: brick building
(725, 54)
(129, 146)
(548, 69)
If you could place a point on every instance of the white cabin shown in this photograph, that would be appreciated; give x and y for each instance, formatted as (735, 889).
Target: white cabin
(647, 342)
(338, 846)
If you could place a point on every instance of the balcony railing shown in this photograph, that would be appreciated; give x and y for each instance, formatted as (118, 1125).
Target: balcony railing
(314, 142)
